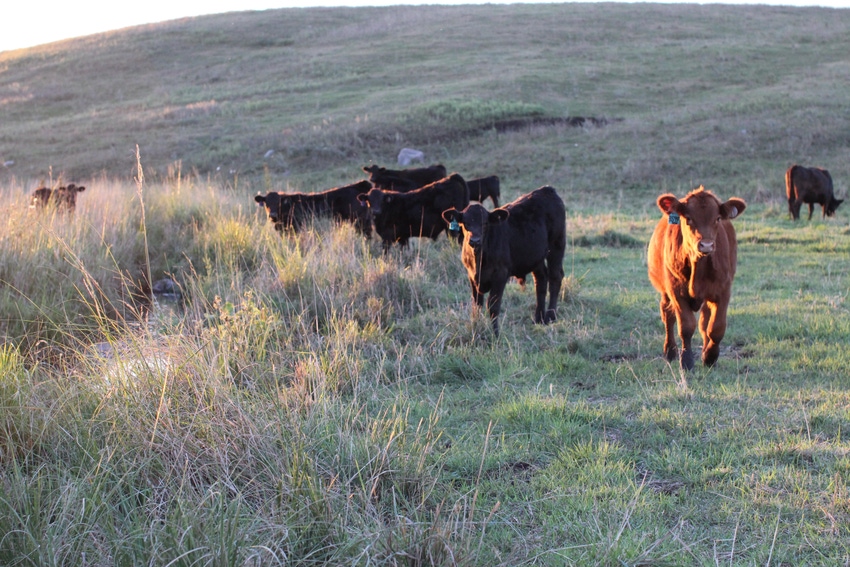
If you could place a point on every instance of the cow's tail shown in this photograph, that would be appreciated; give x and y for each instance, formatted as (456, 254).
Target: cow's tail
(789, 176)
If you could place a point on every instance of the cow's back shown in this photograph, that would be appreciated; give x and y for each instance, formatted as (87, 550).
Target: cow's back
(537, 223)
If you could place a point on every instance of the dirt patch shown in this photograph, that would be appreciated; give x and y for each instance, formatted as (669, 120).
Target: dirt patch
(572, 121)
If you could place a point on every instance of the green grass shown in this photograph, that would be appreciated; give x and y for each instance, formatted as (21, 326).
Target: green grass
(312, 401)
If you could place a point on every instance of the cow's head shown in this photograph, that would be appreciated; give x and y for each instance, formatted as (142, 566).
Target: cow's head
(373, 169)
(363, 186)
(700, 215)
(272, 201)
(66, 197)
(376, 199)
(832, 205)
(474, 221)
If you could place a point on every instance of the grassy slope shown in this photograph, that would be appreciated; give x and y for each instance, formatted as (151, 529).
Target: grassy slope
(322, 403)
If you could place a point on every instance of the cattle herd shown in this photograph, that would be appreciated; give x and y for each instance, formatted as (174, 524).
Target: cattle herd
(692, 254)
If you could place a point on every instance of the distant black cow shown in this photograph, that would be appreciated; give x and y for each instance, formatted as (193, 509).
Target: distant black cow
(64, 198)
(481, 188)
(40, 197)
(417, 213)
(810, 185)
(527, 235)
(404, 180)
(293, 210)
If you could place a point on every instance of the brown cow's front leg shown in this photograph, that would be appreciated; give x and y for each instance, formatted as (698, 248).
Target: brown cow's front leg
(668, 317)
(794, 208)
(712, 328)
(687, 325)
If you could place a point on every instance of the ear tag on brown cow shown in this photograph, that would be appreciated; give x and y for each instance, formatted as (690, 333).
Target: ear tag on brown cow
(673, 218)
(454, 226)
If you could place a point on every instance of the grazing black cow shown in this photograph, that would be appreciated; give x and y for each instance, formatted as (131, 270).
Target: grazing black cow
(810, 185)
(293, 210)
(417, 213)
(64, 198)
(527, 235)
(404, 180)
(481, 188)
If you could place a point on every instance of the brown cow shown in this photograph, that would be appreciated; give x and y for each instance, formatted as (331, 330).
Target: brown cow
(692, 258)
(810, 185)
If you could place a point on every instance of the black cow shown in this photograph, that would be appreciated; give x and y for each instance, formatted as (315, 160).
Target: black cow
(810, 185)
(481, 188)
(527, 235)
(293, 210)
(404, 180)
(417, 213)
(63, 197)
(40, 197)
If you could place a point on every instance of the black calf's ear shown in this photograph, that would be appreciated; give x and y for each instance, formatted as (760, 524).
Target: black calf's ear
(499, 215)
(452, 215)
(260, 198)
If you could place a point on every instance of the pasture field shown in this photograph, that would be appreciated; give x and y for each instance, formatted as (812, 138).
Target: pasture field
(310, 401)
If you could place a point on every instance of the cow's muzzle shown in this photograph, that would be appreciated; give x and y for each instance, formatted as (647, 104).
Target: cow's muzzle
(705, 246)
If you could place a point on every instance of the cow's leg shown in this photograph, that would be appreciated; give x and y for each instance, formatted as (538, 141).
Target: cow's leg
(555, 265)
(687, 325)
(668, 317)
(494, 303)
(713, 328)
(477, 297)
(540, 285)
(794, 206)
(811, 209)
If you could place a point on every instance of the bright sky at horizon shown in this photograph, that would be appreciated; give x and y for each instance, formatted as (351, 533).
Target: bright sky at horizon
(26, 24)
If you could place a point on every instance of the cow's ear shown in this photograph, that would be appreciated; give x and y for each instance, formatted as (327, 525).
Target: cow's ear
(668, 203)
(452, 215)
(260, 198)
(498, 215)
(80, 189)
(732, 208)
(362, 198)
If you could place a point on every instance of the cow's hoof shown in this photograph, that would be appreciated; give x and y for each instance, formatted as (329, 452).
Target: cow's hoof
(687, 360)
(549, 317)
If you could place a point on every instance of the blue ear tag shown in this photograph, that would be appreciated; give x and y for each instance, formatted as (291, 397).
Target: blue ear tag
(673, 218)
(454, 226)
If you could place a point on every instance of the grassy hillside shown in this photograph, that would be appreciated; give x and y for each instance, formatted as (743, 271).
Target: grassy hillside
(311, 401)
(724, 95)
